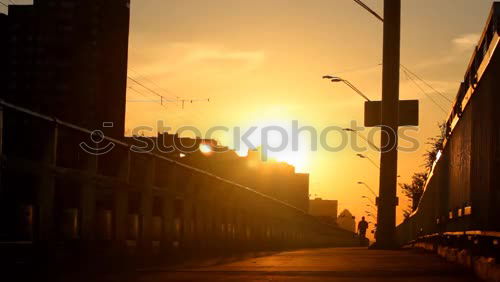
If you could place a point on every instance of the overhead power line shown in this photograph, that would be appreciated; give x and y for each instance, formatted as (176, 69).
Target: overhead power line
(162, 98)
(154, 83)
(424, 92)
(3, 4)
(407, 71)
(428, 85)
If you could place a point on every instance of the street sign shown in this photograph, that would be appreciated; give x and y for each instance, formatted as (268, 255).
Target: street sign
(408, 113)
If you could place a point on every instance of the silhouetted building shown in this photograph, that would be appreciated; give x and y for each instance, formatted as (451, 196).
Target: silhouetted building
(325, 210)
(170, 145)
(274, 179)
(3, 50)
(68, 59)
(347, 221)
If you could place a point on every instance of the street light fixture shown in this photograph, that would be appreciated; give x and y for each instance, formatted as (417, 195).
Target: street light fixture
(369, 199)
(371, 215)
(362, 137)
(369, 159)
(369, 188)
(372, 207)
(337, 79)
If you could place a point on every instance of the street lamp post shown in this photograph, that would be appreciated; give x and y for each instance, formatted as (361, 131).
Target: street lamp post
(387, 202)
(336, 79)
(369, 159)
(369, 188)
(372, 207)
(362, 137)
(369, 199)
(371, 215)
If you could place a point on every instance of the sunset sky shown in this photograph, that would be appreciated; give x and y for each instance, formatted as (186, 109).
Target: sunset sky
(260, 62)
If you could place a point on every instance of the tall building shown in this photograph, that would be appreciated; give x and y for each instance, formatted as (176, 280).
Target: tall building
(325, 210)
(68, 59)
(3, 50)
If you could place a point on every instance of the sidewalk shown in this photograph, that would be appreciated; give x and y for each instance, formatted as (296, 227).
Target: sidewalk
(339, 264)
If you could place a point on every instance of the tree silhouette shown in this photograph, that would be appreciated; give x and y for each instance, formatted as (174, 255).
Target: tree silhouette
(414, 191)
(436, 145)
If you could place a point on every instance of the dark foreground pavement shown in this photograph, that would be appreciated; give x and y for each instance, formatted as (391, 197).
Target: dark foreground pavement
(340, 264)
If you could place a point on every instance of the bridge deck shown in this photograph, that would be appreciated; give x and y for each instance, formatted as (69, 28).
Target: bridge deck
(341, 264)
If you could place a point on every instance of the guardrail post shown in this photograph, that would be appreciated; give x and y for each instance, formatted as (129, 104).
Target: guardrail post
(46, 190)
(120, 212)
(147, 206)
(88, 202)
(1, 149)
(88, 207)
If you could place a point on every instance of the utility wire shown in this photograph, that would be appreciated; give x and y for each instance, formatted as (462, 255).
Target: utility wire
(425, 82)
(161, 102)
(423, 91)
(152, 82)
(163, 98)
(405, 69)
(359, 2)
(138, 92)
(150, 90)
(3, 4)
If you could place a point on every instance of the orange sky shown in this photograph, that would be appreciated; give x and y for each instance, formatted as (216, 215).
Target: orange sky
(261, 63)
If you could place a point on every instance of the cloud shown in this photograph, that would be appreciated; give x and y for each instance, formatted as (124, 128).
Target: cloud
(218, 56)
(466, 42)
(461, 47)
(188, 57)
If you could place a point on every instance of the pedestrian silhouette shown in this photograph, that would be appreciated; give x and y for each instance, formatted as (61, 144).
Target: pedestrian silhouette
(362, 227)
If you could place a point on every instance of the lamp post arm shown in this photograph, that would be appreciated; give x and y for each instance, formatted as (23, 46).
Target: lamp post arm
(356, 90)
(371, 190)
(373, 162)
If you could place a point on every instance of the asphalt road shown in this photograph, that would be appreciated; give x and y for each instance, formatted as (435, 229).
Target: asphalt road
(339, 264)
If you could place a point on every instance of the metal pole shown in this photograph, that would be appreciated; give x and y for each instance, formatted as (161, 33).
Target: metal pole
(387, 201)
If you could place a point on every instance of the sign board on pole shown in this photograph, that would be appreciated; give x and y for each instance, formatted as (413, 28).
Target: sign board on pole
(408, 113)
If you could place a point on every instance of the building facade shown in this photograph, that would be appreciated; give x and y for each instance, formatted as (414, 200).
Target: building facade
(325, 210)
(68, 59)
(274, 179)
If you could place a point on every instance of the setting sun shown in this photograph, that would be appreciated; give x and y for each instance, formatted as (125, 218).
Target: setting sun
(319, 139)
(205, 149)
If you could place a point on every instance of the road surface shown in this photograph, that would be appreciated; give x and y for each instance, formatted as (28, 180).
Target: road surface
(339, 264)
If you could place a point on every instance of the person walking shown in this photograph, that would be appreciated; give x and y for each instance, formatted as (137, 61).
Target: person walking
(362, 227)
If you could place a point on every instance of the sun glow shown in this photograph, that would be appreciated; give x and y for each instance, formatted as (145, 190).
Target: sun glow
(205, 149)
(274, 140)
